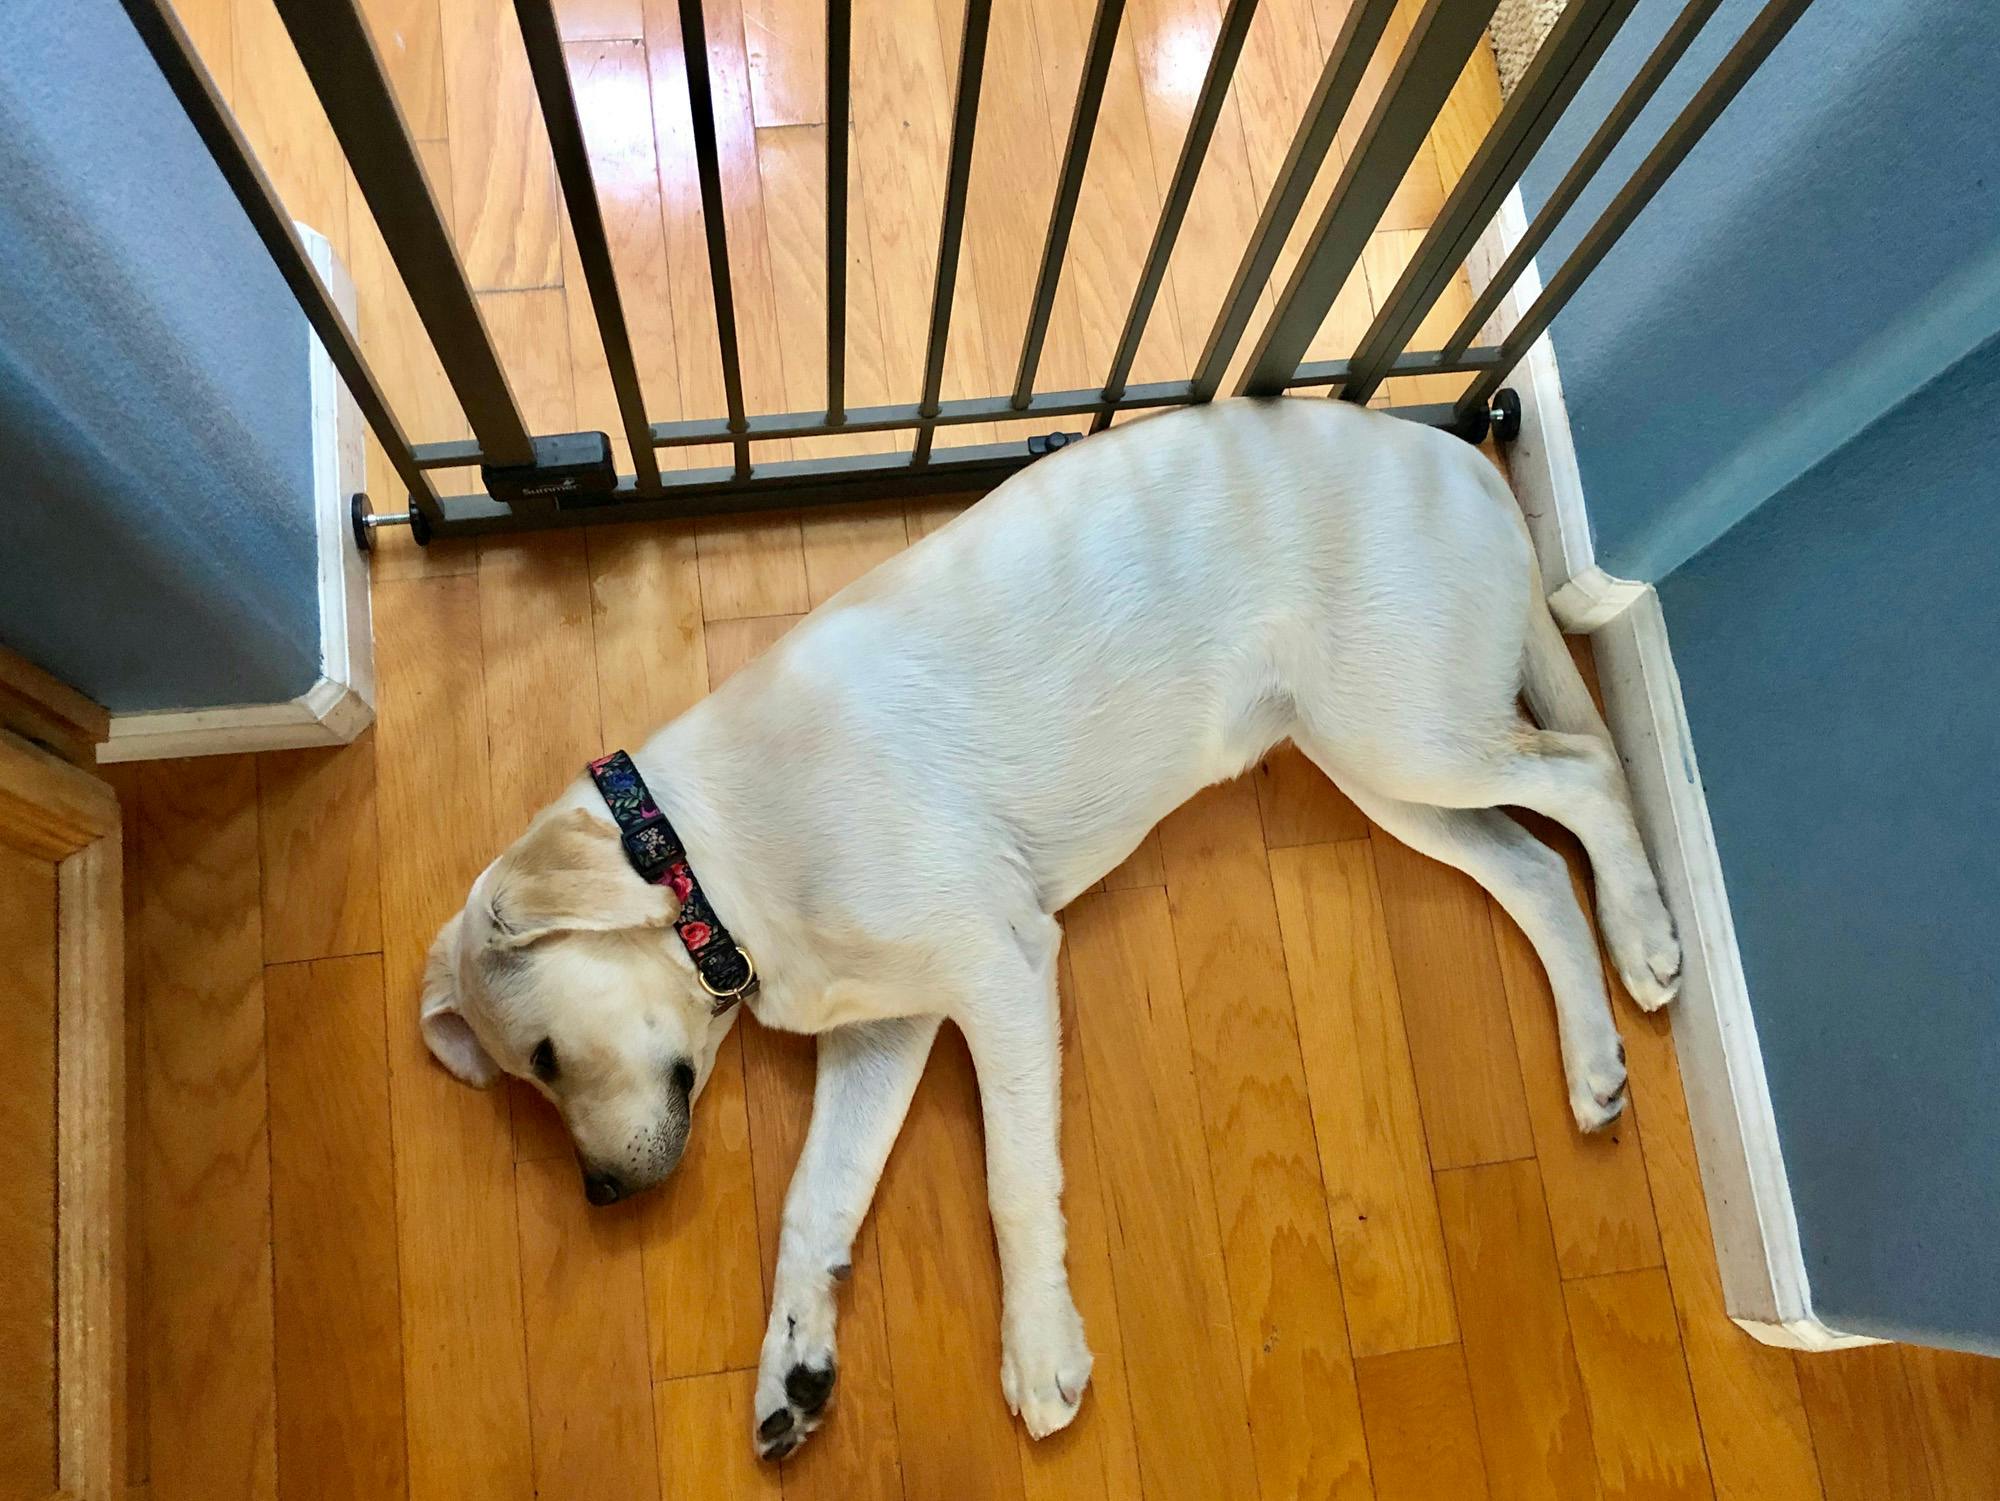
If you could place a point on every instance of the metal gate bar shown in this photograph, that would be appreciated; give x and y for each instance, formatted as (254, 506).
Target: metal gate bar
(951, 235)
(1069, 188)
(1440, 43)
(1180, 193)
(566, 479)
(341, 62)
(1742, 60)
(178, 63)
(1345, 67)
(1645, 83)
(708, 168)
(543, 40)
(839, 39)
(1564, 60)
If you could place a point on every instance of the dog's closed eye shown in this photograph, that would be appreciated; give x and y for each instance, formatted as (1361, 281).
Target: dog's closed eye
(543, 1061)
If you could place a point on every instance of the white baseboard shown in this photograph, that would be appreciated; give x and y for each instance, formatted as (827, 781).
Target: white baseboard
(342, 703)
(1764, 1283)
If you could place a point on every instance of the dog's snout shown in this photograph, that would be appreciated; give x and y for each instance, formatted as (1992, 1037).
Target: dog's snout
(683, 1077)
(602, 1188)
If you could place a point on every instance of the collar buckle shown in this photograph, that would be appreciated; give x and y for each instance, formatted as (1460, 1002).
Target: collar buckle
(727, 996)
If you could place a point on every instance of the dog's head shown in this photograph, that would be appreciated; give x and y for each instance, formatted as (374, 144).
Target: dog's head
(563, 969)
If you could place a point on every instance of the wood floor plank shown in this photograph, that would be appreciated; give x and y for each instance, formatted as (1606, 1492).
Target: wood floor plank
(1753, 1421)
(211, 26)
(28, 940)
(1381, 1202)
(464, 1362)
(1189, 1409)
(760, 330)
(409, 42)
(506, 206)
(1423, 1440)
(280, 117)
(612, 84)
(583, 1295)
(840, 546)
(333, 1205)
(316, 828)
(1600, 1204)
(753, 566)
(1642, 1418)
(1142, 867)
(208, 1343)
(1865, 1427)
(904, 80)
(704, 1297)
(925, 517)
(941, 1290)
(541, 670)
(733, 644)
(855, 1454)
(645, 601)
(704, 1427)
(600, 20)
(1120, 202)
(1098, 1454)
(1958, 1409)
(1300, 805)
(785, 43)
(1285, 1294)
(1014, 165)
(1534, 1427)
(1461, 1042)
(1172, 41)
(792, 162)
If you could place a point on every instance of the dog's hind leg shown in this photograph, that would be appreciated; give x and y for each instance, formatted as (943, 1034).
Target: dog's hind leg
(868, 1072)
(1532, 883)
(1571, 773)
(1012, 1025)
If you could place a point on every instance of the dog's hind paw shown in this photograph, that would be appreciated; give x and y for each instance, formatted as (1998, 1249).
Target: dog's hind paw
(1045, 1366)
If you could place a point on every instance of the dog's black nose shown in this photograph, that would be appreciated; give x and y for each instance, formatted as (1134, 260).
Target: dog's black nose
(602, 1188)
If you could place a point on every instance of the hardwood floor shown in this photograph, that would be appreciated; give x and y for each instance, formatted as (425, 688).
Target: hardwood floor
(1331, 1230)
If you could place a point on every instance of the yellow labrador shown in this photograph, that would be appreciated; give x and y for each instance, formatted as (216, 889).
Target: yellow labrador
(888, 808)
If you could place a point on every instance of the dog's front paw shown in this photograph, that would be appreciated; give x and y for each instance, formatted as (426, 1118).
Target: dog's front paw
(1044, 1363)
(795, 1374)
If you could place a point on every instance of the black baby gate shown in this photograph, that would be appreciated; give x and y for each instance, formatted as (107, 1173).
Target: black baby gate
(568, 478)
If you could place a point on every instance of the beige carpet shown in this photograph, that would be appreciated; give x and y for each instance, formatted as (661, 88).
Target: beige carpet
(1519, 27)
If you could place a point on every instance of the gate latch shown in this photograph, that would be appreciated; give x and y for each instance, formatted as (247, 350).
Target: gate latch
(1047, 443)
(570, 469)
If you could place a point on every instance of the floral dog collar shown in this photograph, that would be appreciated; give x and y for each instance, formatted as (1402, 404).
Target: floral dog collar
(722, 965)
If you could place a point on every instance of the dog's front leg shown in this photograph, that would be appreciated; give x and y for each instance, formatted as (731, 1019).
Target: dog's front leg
(867, 1073)
(1013, 1027)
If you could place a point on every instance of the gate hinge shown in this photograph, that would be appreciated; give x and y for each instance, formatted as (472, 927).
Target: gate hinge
(1048, 443)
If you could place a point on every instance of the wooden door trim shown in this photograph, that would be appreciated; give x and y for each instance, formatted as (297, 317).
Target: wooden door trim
(54, 811)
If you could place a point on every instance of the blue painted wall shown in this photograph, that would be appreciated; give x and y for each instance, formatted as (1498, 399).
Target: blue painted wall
(1829, 247)
(1785, 390)
(156, 531)
(1840, 656)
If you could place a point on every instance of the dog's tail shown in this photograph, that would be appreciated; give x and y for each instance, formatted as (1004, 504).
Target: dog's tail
(1554, 687)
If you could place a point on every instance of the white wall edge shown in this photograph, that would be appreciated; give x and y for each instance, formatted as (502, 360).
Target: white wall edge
(1750, 1208)
(341, 704)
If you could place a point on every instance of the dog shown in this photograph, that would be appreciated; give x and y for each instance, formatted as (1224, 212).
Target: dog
(888, 808)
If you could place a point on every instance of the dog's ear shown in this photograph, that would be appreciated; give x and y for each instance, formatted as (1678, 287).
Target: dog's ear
(569, 874)
(446, 1031)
